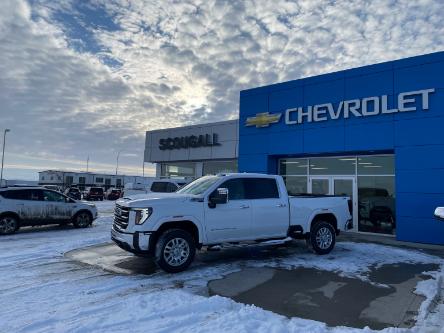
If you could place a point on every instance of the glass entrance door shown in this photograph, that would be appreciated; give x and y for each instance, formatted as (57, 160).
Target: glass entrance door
(337, 185)
(320, 185)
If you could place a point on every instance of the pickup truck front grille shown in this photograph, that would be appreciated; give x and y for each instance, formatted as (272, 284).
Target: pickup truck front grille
(121, 216)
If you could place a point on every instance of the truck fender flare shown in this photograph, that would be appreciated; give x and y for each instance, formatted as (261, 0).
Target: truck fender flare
(192, 219)
(319, 212)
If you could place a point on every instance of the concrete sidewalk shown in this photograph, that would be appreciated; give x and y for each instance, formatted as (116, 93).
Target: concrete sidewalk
(437, 250)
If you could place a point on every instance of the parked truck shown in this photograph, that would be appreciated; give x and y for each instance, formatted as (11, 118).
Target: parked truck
(226, 208)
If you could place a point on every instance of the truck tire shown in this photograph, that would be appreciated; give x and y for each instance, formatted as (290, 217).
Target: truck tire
(175, 250)
(82, 220)
(9, 224)
(322, 237)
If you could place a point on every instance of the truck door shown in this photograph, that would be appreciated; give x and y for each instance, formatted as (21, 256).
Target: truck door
(270, 216)
(230, 221)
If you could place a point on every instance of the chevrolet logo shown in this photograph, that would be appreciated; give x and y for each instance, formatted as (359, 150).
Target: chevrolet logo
(263, 119)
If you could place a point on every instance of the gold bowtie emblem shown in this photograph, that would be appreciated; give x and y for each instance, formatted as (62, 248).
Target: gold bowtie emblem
(263, 119)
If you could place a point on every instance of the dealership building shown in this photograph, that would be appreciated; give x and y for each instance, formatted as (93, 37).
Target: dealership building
(374, 133)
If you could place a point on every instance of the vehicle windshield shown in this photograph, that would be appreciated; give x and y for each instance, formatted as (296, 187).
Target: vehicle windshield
(199, 186)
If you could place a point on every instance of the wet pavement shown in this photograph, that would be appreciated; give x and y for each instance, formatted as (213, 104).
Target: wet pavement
(385, 300)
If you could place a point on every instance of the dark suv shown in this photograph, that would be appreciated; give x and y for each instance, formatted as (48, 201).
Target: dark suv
(112, 194)
(94, 194)
(73, 193)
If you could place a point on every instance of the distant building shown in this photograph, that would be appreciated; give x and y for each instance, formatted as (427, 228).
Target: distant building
(12, 182)
(86, 179)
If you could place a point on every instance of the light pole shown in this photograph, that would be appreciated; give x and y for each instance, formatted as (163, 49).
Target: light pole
(117, 161)
(3, 154)
(87, 164)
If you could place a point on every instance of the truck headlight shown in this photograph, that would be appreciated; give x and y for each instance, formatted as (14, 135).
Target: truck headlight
(142, 214)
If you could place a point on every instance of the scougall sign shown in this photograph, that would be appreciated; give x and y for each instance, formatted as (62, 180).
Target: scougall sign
(192, 141)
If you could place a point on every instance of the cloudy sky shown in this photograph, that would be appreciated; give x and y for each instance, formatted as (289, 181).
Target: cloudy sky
(88, 78)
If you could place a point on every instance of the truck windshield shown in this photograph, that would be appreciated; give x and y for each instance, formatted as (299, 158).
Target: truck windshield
(199, 186)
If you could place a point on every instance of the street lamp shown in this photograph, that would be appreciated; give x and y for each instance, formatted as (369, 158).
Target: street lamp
(3, 154)
(117, 162)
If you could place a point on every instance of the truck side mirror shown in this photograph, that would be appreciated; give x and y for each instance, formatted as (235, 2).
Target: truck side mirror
(439, 213)
(220, 196)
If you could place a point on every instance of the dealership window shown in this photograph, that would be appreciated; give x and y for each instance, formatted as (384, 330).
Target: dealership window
(332, 166)
(82, 180)
(373, 174)
(215, 167)
(180, 169)
(99, 180)
(376, 194)
(118, 182)
(294, 172)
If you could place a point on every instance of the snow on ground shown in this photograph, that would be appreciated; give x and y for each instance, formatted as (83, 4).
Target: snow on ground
(41, 291)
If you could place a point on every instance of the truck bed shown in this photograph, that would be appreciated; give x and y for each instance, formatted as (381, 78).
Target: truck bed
(304, 207)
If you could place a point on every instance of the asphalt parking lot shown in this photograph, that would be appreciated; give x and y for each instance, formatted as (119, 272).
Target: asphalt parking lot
(385, 298)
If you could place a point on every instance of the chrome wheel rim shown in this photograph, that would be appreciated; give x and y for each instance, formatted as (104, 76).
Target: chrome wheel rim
(7, 225)
(324, 238)
(176, 251)
(83, 220)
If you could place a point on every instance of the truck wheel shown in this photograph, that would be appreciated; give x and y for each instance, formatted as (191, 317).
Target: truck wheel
(82, 220)
(8, 225)
(322, 237)
(175, 250)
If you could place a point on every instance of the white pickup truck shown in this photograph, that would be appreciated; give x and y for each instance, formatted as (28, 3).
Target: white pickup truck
(227, 208)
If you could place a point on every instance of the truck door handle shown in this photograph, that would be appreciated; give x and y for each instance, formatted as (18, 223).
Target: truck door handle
(281, 205)
(244, 206)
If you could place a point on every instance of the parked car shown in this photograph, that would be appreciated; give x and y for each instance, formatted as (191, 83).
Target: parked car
(73, 193)
(31, 206)
(377, 206)
(221, 209)
(153, 186)
(439, 213)
(113, 194)
(93, 194)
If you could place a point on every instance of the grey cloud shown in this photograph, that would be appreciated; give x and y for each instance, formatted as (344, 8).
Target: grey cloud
(182, 62)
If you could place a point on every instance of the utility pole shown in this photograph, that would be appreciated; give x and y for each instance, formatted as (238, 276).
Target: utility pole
(3, 154)
(143, 168)
(117, 161)
(87, 164)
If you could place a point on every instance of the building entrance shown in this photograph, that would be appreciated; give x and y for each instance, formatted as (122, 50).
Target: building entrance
(337, 185)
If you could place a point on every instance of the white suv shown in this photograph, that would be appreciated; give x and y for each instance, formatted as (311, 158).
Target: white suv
(31, 206)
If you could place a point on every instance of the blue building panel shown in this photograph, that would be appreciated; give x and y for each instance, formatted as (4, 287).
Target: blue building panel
(419, 205)
(420, 181)
(321, 139)
(374, 84)
(420, 230)
(421, 76)
(323, 92)
(419, 131)
(372, 136)
(280, 99)
(423, 157)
